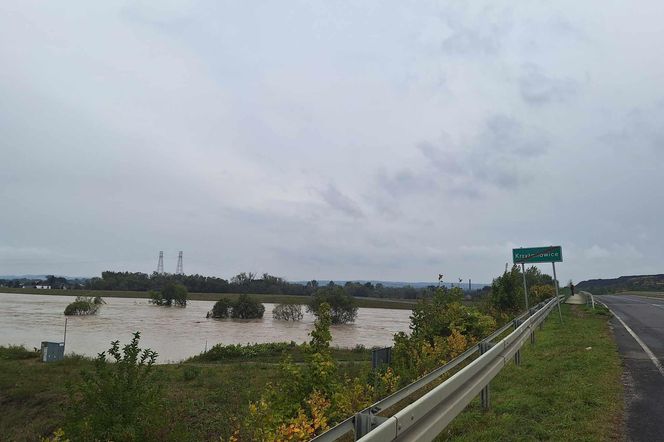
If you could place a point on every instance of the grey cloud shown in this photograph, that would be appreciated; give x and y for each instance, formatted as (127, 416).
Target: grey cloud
(476, 34)
(203, 126)
(337, 200)
(537, 88)
(503, 135)
(441, 159)
(467, 41)
(641, 130)
(406, 181)
(500, 157)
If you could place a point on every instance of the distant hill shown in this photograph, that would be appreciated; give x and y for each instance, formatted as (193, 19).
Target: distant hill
(417, 285)
(650, 283)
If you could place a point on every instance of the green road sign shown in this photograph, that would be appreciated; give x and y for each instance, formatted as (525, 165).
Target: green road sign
(537, 254)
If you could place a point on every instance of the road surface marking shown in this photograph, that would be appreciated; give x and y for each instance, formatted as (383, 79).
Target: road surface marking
(643, 345)
(658, 305)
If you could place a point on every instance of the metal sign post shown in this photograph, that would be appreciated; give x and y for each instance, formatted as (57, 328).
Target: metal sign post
(525, 287)
(555, 282)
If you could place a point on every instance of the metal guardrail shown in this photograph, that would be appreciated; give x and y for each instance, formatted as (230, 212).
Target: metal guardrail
(426, 417)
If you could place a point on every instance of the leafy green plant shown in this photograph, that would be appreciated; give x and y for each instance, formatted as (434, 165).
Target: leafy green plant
(119, 399)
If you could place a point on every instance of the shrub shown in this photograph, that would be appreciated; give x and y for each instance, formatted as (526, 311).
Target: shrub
(247, 307)
(221, 309)
(221, 352)
(118, 400)
(84, 306)
(172, 293)
(288, 312)
(343, 307)
(14, 352)
(442, 328)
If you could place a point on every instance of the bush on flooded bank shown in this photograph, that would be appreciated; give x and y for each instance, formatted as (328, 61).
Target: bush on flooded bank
(84, 305)
(244, 307)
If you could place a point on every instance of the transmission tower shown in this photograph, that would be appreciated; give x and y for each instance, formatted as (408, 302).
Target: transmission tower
(160, 264)
(179, 270)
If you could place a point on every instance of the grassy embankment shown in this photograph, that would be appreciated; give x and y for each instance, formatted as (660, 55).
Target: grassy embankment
(276, 299)
(562, 391)
(201, 399)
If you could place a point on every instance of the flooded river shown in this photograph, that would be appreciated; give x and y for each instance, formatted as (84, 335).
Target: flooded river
(175, 333)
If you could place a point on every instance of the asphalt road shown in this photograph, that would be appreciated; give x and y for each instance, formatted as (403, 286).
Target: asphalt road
(644, 380)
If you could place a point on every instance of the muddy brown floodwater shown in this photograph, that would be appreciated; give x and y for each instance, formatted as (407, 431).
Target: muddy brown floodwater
(175, 333)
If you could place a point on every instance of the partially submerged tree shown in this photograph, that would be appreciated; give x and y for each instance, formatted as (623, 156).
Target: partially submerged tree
(288, 312)
(221, 309)
(84, 305)
(245, 307)
(171, 294)
(343, 307)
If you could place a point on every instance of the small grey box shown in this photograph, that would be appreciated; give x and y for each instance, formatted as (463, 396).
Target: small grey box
(381, 356)
(52, 351)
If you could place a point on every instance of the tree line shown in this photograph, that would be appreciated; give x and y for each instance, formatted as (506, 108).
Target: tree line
(248, 283)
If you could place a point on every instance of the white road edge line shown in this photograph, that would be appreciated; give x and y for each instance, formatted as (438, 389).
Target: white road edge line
(643, 345)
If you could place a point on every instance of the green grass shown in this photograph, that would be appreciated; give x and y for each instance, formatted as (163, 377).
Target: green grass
(561, 391)
(276, 299)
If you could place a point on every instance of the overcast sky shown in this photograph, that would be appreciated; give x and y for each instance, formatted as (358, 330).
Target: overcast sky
(387, 140)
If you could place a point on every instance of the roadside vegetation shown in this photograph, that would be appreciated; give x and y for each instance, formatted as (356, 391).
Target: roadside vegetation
(290, 391)
(84, 305)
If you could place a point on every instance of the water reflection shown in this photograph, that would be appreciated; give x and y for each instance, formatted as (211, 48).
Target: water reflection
(175, 333)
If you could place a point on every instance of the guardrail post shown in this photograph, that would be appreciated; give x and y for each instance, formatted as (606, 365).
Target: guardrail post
(517, 355)
(365, 422)
(485, 393)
